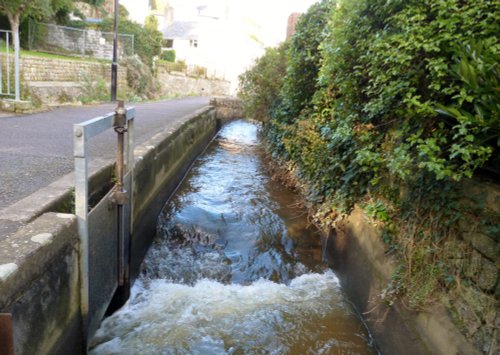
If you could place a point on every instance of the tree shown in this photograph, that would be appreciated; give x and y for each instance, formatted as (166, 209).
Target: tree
(259, 87)
(147, 42)
(151, 23)
(14, 9)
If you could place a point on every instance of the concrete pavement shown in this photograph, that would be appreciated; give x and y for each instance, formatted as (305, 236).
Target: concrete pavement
(37, 149)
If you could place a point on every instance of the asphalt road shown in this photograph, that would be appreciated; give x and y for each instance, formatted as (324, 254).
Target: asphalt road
(37, 149)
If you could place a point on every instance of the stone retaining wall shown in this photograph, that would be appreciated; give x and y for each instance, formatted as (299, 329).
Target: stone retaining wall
(57, 81)
(181, 85)
(475, 306)
(85, 42)
(228, 107)
(467, 320)
(37, 69)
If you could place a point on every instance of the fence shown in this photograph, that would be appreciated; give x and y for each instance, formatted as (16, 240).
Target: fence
(64, 40)
(9, 67)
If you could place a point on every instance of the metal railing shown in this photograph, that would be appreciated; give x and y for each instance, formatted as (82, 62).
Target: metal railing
(71, 41)
(9, 67)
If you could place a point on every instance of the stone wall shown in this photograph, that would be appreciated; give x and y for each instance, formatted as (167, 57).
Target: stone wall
(227, 107)
(39, 69)
(177, 84)
(55, 81)
(365, 269)
(475, 305)
(90, 42)
(466, 321)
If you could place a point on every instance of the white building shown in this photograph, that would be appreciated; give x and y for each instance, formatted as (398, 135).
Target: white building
(225, 36)
(205, 35)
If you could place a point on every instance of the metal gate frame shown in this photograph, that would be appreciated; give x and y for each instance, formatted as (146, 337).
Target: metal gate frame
(17, 90)
(122, 120)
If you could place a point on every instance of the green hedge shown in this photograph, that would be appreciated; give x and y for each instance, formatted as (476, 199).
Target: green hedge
(168, 55)
(393, 102)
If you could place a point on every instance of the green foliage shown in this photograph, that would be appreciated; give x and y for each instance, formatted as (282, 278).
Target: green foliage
(259, 87)
(95, 3)
(147, 42)
(151, 23)
(123, 12)
(24, 8)
(304, 59)
(94, 90)
(397, 100)
(168, 55)
(57, 10)
(476, 109)
(140, 79)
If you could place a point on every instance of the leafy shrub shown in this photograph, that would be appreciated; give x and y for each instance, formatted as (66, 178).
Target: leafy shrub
(140, 79)
(260, 86)
(168, 55)
(94, 90)
(304, 59)
(147, 41)
(391, 99)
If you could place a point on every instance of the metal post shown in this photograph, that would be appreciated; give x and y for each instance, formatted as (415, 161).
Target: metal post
(17, 88)
(114, 64)
(8, 63)
(120, 195)
(81, 211)
(2, 58)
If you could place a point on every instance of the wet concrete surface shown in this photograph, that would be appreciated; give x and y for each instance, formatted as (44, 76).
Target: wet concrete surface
(37, 149)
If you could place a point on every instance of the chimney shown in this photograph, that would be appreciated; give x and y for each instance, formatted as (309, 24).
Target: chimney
(169, 15)
(292, 22)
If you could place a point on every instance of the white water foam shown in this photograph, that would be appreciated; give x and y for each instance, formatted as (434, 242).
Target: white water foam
(213, 318)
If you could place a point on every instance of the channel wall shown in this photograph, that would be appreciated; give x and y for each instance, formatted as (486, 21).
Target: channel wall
(39, 276)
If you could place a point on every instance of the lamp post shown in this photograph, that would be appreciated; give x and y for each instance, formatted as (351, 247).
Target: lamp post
(114, 64)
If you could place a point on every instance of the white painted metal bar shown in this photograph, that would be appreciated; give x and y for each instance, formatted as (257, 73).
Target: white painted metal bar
(17, 88)
(7, 57)
(2, 58)
(81, 211)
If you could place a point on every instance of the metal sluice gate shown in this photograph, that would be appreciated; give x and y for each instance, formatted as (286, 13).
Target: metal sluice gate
(104, 229)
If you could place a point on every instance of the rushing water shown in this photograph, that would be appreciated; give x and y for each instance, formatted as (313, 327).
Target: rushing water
(235, 269)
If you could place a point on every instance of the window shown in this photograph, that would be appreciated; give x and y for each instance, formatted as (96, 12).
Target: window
(168, 43)
(193, 43)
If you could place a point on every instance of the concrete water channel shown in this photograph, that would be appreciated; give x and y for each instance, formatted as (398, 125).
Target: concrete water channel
(228, 265)
(42, 284)
(236, 268)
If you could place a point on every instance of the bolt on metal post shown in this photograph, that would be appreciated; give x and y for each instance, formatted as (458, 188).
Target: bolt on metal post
(120, 128)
